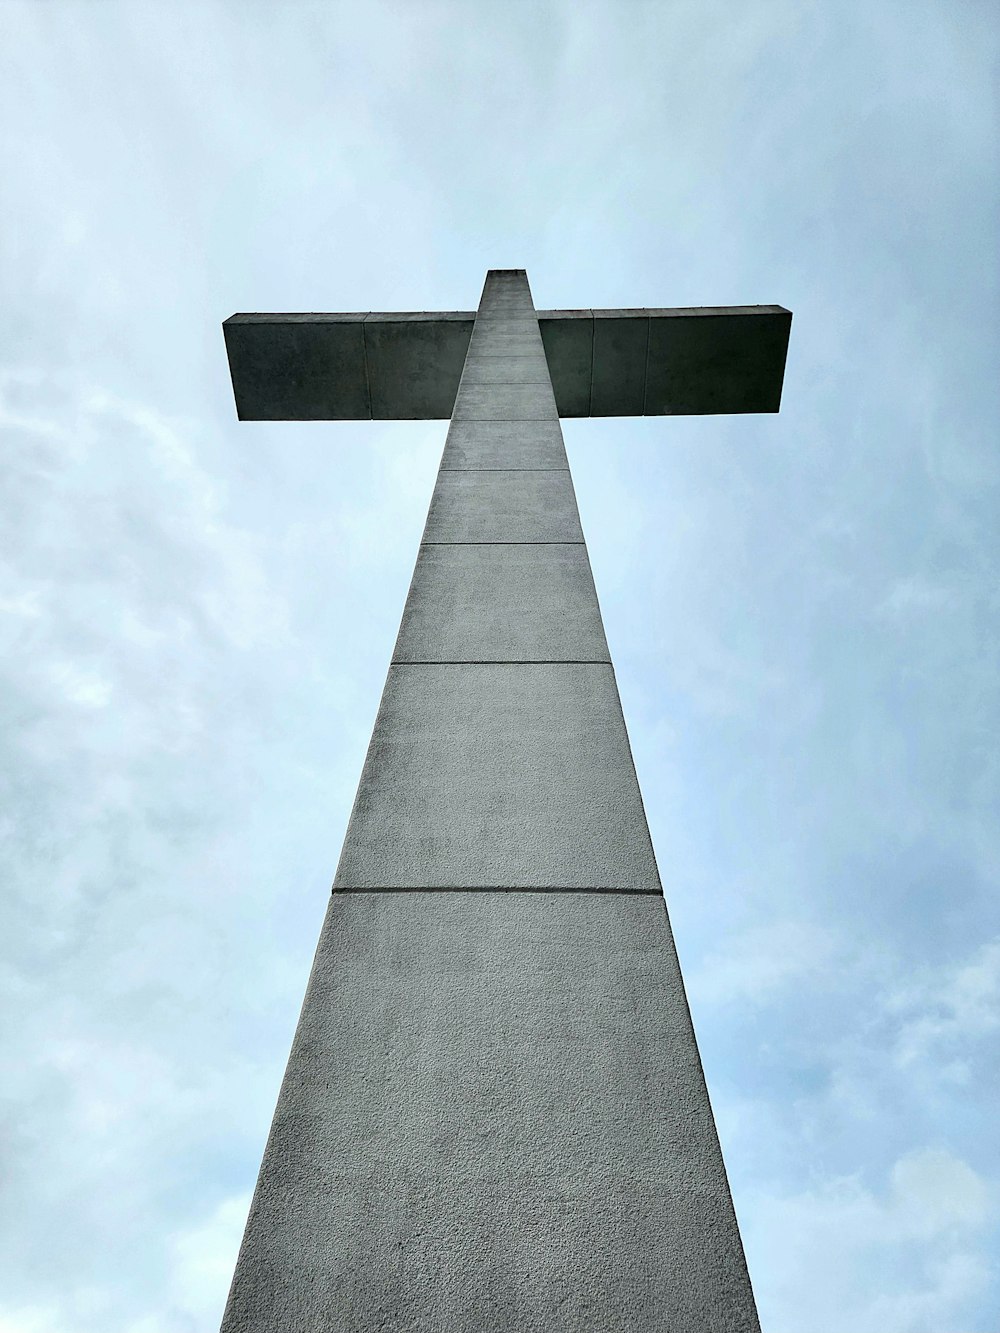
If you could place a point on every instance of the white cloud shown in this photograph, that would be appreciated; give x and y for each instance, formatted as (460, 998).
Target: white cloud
(31, 1319)
(203, 1260)
(948, 1009)
(138, 689)
(842, 1257)
(200, 1266)
(917, 595)
(757, 964)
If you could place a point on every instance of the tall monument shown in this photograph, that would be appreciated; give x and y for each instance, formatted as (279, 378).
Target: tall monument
(494, 1115)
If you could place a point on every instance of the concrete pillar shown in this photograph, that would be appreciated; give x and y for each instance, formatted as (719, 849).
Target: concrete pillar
(494, 1115)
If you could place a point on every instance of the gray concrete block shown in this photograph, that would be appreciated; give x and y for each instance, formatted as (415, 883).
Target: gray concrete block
(493, 1121)
(497, 445)
(504, 402)
(620, 346)
(568, 339)
(309, 368)
(716, 361)
(501, 342)
(414, 365)
(502, 604)
(500, 293)
(518, 304)
(513, 326)
(522, 312)
(492, 506)
(499, 777)
(505, 369)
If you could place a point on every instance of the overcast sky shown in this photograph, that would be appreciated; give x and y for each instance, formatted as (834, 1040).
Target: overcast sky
(197, 615)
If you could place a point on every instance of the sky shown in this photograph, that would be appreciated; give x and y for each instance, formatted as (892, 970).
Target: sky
(197, 614)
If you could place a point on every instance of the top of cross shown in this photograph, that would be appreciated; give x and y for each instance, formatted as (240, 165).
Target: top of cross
(337, 367)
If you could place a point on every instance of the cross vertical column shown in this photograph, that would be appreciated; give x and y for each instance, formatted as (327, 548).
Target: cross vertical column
(494, 1115)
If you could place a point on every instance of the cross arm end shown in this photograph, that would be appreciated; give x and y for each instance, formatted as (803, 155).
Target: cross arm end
(674, 361)
(349, 366)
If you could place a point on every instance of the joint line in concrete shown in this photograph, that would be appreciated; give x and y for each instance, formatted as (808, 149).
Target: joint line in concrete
(645, 366)
(590, 391)
(580, 543)
(509, 469)
(368, 378)
(464, 888)
(502, 661)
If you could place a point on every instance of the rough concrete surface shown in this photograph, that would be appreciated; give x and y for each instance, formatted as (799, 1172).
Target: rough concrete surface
(618, 382)
(504, 402)
(298, 370)
(500, 445)
(500, 341)
(494, 506)
(414, 366)
(328, 367)
(722, 362)
(499, 777)
(493, 1121)
(502, 603)
(511, 325)
(524, 369)
(568, 339)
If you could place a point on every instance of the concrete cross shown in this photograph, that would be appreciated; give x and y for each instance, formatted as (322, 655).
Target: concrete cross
(494, 1115)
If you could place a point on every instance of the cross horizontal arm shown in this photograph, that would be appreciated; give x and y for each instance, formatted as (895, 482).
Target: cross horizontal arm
(319, 367)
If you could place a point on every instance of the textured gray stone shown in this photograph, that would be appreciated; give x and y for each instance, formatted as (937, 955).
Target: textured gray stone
(716, 361)
(500, 445)
(493, 1120)
(510, 326)
(339, 367)
(620, 353)
(499, 777)
(500, 341)
(497, 305)
(504, 402)
(698, 360)
(505, 370)
(568, 339)
(414, 365)
(506, 288)
(502, 603)
(493, 506)
(298, 369)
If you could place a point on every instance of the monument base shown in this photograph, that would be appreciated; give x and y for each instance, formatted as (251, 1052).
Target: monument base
(493, 1118)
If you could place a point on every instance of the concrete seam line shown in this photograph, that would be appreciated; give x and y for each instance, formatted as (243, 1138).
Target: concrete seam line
(504, 469)
(368, 378)
(449, 888)
(488, 543)
(502, 662)
(554, 541)
(593, 359)
(509, 469)
(645, 369)
(581, 542)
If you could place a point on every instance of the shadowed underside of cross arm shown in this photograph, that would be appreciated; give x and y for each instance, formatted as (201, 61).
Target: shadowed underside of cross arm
(386, 367)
